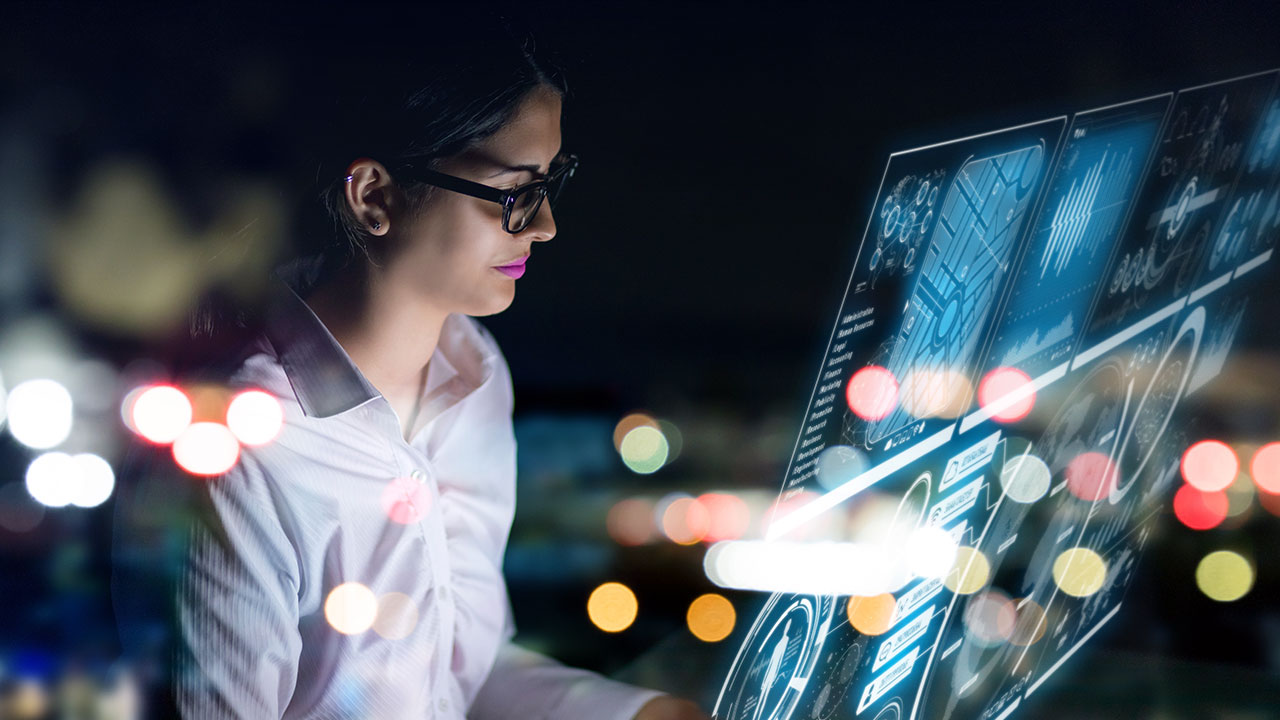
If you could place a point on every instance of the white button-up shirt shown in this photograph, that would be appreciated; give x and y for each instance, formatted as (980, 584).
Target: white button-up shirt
(340, 497)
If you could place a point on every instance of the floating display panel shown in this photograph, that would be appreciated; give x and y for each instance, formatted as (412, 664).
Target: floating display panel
(1087, 202)
(927, 280)
(1188, 190)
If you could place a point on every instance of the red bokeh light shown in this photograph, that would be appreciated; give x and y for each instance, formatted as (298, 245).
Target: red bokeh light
(729, 516)
(872, 393)
(686, 521)
(630, 522)
(1091, 476)
(159, 413)
(1265, 468)
(997, 389)
(1200, 510)
(1209, 465)
(406, 500)
(1269, 502)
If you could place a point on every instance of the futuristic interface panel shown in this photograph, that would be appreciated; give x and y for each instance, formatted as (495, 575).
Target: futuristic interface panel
(1009, 370)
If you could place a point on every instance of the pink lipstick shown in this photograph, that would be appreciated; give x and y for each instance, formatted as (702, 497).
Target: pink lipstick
(514, 270)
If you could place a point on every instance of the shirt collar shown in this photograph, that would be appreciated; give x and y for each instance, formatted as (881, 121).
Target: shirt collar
(322, 375)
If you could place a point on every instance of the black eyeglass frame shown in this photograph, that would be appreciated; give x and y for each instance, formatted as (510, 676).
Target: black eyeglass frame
(560, 172)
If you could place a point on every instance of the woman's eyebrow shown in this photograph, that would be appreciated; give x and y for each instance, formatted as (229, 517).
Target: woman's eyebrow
(533, 169)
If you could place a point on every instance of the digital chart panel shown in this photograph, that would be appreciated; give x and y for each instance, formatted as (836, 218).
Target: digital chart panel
(1112, 269)
(1087, 201)
(1187, 193)
(923, 291)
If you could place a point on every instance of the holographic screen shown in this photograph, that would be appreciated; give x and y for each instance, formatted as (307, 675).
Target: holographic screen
(1006, 378)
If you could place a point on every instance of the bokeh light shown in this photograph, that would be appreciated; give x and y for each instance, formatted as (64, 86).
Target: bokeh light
(839, 464)
(1265, 468)
(629, 423)
(685, 521)
(160, 413)
(644, 450)
(1209, 465)
(1091, 476)
(1025, 478)
(56, 479)
(728, 516)
(4, 402)
(396, 617)
(935, 392)
(1269, 502)
(1239, 495)
(1200, 510)
(675, 439)
(255, 417)
(711, 617)
(1224, 576)
(872, 615)
(351, 608)
(405, 500)
(630, 522)
(990, 618)
(52, 479)
(1007, 393)
(930, 552)
(970, 572)
(872, 393)
(40, 413)
(1079, 572)
(95, 480)
(612, 607)
(206, 448)
(1031, 625)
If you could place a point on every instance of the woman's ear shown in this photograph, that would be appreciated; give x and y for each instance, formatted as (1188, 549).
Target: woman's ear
(370, 195)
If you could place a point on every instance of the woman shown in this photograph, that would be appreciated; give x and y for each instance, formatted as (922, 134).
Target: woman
(392, 481)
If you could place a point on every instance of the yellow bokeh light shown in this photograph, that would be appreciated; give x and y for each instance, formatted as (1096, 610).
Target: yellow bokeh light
(1224, 576)
(397, 616)
(644, 449)
(872, 615)
(612, 607)
(969, 573)
(711, 617)
(351, 608)
(1079, 572)
(629, 423)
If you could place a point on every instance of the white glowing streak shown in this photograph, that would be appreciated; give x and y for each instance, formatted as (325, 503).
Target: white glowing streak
(825, 568)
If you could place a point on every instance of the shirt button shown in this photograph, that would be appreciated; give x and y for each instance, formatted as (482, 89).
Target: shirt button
(420, 476)
(444, 705)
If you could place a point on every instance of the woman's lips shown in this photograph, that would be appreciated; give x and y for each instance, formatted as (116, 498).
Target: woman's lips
(513, 271)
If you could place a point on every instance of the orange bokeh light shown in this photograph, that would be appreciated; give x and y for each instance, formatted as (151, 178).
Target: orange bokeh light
(729, 516)
(686, 521)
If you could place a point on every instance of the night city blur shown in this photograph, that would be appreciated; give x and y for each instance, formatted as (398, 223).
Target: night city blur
(662, 348)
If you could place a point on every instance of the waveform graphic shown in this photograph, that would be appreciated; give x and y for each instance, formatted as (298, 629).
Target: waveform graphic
(1036, 344)
(1070, 229)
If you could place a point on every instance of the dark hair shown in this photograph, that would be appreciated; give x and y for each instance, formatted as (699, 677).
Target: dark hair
(422, 109)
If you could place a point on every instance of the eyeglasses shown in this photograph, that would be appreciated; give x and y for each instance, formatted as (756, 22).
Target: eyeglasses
(520, 205)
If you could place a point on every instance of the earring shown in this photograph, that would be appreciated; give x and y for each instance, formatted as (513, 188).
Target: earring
(349, 178)
(377, 225)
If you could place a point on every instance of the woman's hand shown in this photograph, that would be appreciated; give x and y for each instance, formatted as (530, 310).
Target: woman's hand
(667, 707)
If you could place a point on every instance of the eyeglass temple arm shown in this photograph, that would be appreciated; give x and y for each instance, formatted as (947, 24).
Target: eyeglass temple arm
(459, 185)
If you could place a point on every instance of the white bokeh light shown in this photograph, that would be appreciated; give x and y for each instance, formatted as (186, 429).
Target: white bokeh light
(40, 413)
(160, 413)
(206, 448)
(255, 417)
(52, 479)
(95, 480)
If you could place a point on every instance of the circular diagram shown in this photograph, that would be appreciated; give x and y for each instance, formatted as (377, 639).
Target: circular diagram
(776, 661)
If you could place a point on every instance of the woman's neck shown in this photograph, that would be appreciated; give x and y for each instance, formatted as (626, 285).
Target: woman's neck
(387, 329)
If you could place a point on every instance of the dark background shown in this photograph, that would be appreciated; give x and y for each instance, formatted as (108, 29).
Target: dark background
(730, 153)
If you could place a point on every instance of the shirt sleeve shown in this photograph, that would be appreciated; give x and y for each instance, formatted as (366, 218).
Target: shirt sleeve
(525, 685)
(237, 643)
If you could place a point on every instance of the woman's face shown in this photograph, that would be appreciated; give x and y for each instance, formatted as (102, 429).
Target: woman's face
(447, 255)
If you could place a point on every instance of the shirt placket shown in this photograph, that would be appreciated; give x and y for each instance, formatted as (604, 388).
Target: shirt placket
(418, 468)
